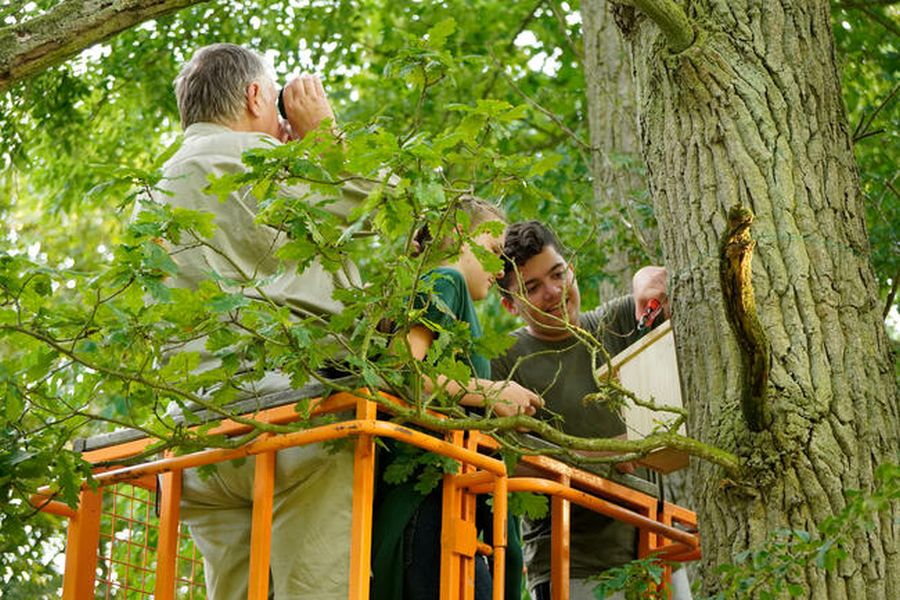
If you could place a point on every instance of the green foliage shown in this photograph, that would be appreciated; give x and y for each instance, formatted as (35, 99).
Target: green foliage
(866, 35)
(85, 312)
(427, 468)
(777, 568)
(528, 504)
(442, 95)
(638, 579)
(38, 538)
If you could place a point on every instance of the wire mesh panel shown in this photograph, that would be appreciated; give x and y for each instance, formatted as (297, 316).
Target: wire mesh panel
(129, 528)
(189, 582)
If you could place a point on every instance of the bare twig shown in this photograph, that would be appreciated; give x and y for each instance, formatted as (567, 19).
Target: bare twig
(583, 147)
(867, 9)
(561, 23)
(509, 46)
(862, 128)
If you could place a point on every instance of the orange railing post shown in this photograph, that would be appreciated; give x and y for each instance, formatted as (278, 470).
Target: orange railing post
(665, 528)
(560, 539)
(469, 517)
(363, 500)
(500, 537)
(261, 528)
(81, 547)
(458, 538)
(167, 544)
(648, 541)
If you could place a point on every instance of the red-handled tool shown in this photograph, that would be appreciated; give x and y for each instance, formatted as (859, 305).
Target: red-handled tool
(654, 308)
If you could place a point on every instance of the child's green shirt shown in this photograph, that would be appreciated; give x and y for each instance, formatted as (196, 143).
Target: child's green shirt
(449, 302)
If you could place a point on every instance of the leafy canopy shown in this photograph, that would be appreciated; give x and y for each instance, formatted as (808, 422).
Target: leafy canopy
(444, 95)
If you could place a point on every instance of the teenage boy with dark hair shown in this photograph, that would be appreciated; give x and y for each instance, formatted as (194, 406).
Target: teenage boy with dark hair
(539, 285)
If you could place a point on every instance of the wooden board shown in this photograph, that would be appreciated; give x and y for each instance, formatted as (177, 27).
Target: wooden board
(649, 369)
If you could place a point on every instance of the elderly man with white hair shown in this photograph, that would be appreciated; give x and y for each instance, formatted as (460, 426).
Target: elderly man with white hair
(228, 103)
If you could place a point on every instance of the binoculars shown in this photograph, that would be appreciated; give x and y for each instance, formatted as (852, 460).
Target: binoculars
(281, 110)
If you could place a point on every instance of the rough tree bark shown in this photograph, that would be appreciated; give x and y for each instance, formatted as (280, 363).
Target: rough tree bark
(31, 46)
(751, 114)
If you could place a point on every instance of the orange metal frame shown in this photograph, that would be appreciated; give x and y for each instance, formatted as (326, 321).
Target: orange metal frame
(665, 530)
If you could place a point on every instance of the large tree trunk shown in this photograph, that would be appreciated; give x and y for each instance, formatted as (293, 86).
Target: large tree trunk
(751, 113)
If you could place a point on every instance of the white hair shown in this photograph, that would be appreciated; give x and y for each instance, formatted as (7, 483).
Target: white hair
(212, 85)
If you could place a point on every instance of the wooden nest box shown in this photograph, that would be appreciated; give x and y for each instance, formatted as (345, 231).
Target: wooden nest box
(649, 369)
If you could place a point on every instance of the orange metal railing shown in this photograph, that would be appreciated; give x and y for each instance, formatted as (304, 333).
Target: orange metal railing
(117, 541)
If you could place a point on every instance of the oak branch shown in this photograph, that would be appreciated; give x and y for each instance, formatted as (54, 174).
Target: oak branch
(29, 47)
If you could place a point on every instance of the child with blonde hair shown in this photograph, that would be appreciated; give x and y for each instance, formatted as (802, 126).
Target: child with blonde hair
(407, 530)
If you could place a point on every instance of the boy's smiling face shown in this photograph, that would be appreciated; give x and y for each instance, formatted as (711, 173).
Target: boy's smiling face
(545, 294)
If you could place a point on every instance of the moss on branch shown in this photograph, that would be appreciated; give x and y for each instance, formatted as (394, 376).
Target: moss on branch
(671, 20)
(29, 47)
(628, 449)
(569, 444)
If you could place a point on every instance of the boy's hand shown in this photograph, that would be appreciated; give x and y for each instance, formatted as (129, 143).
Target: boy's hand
(514, 399)
(306, 104)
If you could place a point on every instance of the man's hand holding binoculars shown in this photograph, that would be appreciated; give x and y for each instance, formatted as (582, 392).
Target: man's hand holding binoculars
(304, 105)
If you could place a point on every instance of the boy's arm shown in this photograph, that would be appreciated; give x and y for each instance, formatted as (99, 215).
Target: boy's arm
(504, 398)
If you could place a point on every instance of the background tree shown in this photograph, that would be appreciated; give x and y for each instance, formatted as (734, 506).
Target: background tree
(617, 174)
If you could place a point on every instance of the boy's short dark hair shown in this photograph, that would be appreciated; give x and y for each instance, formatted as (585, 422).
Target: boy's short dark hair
(524, 240)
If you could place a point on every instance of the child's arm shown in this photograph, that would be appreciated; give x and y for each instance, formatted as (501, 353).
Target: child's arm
(506, 398)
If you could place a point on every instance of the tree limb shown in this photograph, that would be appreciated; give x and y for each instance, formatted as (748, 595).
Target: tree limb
(155, 385)
(633, 448)
(510, 45)
(31, 46)
(563, 31)
(580, 143)
(863, 4)
(863, 128)
(671, 20)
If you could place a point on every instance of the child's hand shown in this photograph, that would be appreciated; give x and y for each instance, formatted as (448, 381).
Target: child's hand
(513, 399)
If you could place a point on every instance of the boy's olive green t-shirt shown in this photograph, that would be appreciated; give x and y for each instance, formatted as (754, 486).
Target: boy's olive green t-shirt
(561, 372)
